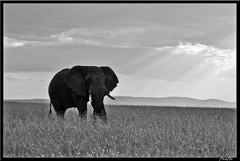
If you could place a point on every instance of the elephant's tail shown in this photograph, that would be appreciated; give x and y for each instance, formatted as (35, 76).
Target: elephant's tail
(50, 112)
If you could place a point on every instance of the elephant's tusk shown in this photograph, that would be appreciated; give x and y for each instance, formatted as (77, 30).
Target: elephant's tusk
(90, 97)
(110, 96)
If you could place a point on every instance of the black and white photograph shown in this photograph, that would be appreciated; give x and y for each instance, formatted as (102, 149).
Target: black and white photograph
(112, 80)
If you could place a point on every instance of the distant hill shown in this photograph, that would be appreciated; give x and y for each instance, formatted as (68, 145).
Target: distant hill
(28, 100)
(165, 101)
(169, 101)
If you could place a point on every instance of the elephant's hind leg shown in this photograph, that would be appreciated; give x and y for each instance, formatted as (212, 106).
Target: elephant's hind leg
(61, 113)
(59, 109)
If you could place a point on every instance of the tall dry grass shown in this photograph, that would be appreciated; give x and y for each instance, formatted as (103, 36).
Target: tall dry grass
(133, 131)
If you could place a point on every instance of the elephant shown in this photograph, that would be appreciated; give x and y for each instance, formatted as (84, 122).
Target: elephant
(76, 86)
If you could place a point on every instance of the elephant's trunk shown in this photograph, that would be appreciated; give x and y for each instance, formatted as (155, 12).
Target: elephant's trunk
(96, 99)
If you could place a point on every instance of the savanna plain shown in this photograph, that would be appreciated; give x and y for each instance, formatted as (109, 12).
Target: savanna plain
(132, 131)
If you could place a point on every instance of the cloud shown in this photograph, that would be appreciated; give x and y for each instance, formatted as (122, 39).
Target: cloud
(201, 49)
(125, 25)
(23, 42)
(145, 35)
(12, 78)
(221, 60)
(105, 36)
(185, 62)
(12, 42)
(189, 48)
(119, 37)
(26, 77)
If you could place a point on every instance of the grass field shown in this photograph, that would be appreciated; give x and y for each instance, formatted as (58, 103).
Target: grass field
(134, 131)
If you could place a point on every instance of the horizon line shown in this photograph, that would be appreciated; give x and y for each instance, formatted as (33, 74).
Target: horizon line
(133, 97)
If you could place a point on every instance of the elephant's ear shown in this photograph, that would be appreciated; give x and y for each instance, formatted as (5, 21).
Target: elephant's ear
(111, 78)
(75, 80)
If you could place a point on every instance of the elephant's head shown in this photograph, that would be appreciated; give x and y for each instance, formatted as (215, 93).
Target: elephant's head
(94, 82)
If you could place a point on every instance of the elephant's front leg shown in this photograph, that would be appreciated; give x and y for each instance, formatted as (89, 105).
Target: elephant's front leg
(82, 108)
(103, 116)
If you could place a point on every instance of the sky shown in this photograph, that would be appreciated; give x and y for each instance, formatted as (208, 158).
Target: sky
(156, 50)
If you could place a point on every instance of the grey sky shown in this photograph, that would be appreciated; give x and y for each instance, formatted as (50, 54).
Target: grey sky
(177, 49)
(203, 23)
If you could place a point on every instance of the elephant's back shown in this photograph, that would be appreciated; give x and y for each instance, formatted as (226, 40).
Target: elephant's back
(59, 77)
(62, 73)
(57, 84)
